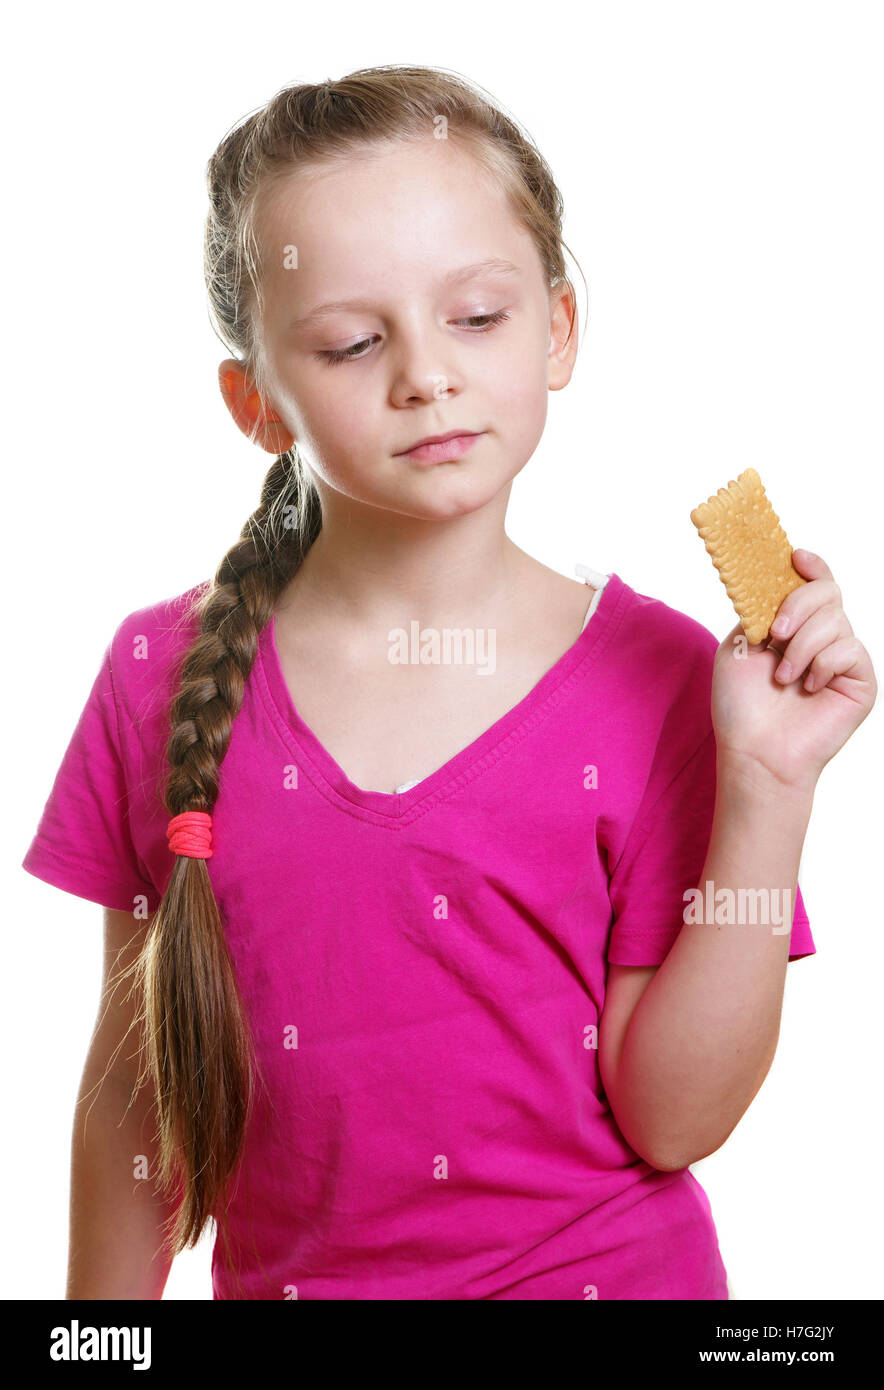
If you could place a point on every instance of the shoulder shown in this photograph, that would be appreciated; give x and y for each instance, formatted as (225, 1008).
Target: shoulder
(665, 639)
(168, 620)
(148, 645)
(660, 688)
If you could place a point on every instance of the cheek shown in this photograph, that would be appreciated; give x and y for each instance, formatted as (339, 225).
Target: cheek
(519, 389)
(333, 418)
(338, 440)
(517, 373)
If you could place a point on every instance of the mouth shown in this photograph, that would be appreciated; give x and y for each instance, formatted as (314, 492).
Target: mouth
(441, 447)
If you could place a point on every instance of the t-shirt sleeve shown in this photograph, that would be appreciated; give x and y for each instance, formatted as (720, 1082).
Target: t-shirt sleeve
(83, 843)
(663, 858)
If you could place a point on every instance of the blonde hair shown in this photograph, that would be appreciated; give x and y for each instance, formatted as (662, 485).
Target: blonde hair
(197, 1043)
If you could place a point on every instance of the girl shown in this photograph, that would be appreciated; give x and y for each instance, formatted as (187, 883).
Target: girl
(418, 1007)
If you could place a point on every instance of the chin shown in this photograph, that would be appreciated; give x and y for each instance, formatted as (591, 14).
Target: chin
(441, 502)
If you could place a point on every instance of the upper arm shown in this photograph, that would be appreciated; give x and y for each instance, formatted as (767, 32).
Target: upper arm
(625, 987)
(114, 1049)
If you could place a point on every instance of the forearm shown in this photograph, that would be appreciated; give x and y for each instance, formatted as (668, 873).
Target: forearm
(705, 1030)
(116, 1220)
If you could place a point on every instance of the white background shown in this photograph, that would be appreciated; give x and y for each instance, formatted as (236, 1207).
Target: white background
(721, 165)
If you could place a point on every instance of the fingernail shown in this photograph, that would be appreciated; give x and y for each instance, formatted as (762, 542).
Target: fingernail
(781, 627)
(784, 671)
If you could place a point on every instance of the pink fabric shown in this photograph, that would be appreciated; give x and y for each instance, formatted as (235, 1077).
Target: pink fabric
(422, 969)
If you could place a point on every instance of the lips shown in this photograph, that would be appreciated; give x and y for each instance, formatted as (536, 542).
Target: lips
(439, 439)
(452, 448)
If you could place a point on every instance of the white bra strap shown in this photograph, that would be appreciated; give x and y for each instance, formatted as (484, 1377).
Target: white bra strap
(597, 581)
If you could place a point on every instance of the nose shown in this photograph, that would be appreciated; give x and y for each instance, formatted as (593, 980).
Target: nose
(423, 372)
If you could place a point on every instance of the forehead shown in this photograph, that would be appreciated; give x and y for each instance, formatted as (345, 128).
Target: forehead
(387, 215)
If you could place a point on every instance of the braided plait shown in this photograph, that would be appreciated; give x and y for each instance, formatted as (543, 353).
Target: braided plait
(233, 614)
(198, 1049)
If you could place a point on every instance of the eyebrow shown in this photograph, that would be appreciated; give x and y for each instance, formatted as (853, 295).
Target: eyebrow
(494, 266)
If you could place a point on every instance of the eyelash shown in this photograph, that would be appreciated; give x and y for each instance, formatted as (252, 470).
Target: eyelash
(335, 355)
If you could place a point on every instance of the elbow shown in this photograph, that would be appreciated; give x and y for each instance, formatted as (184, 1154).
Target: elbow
(669, 1152)
(666, 1160)
(661, 1154)
(673, 1160)
(668, 1163)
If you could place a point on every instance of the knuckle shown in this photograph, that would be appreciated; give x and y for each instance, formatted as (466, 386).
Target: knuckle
(820, 668)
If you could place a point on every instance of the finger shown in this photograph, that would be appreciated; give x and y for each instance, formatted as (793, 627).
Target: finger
(845, 657)
(811, 566)
(797, 607)
(822, 628)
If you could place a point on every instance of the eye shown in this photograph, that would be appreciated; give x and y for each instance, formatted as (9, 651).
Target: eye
(494, 318)
(351, 354)
(343, 354)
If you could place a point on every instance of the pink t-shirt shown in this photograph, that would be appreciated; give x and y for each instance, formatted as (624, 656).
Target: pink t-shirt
(423, 970)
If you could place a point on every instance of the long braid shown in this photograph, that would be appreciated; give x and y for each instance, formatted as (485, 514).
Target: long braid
(199, 1053)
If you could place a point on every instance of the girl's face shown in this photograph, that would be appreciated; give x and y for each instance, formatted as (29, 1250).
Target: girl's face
(379, 329)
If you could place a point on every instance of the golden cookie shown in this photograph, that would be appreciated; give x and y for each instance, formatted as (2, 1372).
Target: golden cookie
(749, 548)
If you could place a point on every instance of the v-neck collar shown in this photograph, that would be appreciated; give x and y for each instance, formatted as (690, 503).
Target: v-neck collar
(316, 762)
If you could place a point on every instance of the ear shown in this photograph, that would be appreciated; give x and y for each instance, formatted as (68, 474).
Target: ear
(562, 347)
(257, 421)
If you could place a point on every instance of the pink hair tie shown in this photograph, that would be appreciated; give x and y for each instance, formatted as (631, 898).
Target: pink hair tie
(190, 834)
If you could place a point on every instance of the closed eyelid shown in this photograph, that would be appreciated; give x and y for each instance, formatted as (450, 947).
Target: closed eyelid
(459, 316)
(495, 317)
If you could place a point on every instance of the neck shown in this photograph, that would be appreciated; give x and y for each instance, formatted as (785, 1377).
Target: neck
(370, 567)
